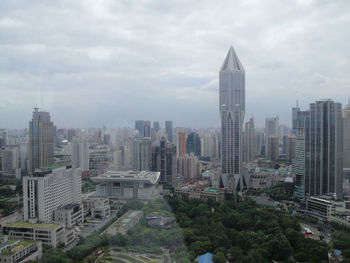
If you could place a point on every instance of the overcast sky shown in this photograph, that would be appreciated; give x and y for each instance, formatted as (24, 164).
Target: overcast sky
(104, 62)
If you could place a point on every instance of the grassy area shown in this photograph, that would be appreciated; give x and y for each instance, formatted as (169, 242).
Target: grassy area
(18, 247)
(129, 258)
(27, 225)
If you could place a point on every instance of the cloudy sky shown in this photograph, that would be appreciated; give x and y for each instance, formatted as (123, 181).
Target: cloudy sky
(107, 62)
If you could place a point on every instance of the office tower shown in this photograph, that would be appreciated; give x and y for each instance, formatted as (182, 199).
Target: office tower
(250, 152)
(80, 153)
(147, 129)
(346, 117)
(11, 162)
(232, 108)
(193, 144)
(290, 148)
(324, 149)
(156, 126)
(273, 148)
(106, 139)
(295, 111)
(271, 129)
(181, 144)
(169, 130)
(299, 160)
(260, 142)
(139, 125)
(23, 156)
(188, 166)
(142, 154)
(321, 131)
(46, 190)
(164, 161)
(40, 140)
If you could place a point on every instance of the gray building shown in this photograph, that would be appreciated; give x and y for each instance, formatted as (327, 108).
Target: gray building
(80, 153)
(346, 117)
(232, 109)
(250, 149)
(41, 141)
(142, 154)
(320, 140)
(128, 185)
(271, 129)
(169, 130)
(11, 162)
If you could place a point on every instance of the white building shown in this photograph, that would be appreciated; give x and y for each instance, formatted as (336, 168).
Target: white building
(80, 153)
(47, 190)
(128, 185)
(188, 166)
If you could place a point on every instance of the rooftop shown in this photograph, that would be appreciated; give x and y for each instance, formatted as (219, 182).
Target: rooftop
(20, 224)
(127, 176)
(18, 247)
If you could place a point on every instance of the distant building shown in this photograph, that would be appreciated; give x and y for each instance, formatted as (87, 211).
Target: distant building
(41, 141)
(290, 148)
(346, 117)
(199, 190)
(273, 148)
(11, 163)
(188, 166)
(169, 130)
(80, 154)
(271, 129)
(49, 189)
(193, 144)
(128, 185)
(260, 179)
(142, 154)
(181, 144)
(156, 126)
(164, 161)
(249, 147)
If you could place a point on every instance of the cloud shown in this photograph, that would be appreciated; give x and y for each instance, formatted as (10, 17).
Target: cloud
(110, 62)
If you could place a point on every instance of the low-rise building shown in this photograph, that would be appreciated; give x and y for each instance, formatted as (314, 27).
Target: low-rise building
(199, 189)
(49, 234)
(71, 215)
(125, 185)
(97, 207)
(13, 251)
(260, 179)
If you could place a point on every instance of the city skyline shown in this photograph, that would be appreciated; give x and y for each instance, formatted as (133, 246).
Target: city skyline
(113, 69)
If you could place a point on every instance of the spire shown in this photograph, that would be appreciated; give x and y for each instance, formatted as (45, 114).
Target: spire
(232, 61)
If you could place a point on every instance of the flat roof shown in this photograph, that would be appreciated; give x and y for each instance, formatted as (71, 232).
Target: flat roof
(128, 176)
(20, 224)
(18, 247)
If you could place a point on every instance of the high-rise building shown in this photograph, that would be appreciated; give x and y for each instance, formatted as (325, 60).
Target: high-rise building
(80, 153)
(290, 148)
(147, 129)
(41, 143)
(346, 117)
(70, 134)
(188, 166)
(139, 127)
(250, 149)
(322, 147)
(164, 161)
(11, 162)
(295, 111)
(273, 148)
(156, 126)
(271, 129)
(142, 154)
(181, 144)
(46, 190)
(169, 130)
(193, 144)
(232, 109)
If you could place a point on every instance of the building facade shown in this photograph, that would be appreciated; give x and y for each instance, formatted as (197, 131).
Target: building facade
(232, 109)
(41, 142)
(47, 190)
(193, 144)
(169, 130)
(346, 117)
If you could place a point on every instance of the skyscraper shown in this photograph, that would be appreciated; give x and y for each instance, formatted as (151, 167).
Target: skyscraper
(271, 129)
(320, 143)
(181, 144)
(80, 154)
(232, 108)
(273, 148)
(193, 144)
(169, 130)
(250, 151)
(156, 126)
(40, 140)
(346, 117)
(294, 117)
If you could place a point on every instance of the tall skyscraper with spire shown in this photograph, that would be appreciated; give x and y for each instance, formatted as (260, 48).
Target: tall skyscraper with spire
(232, 108)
